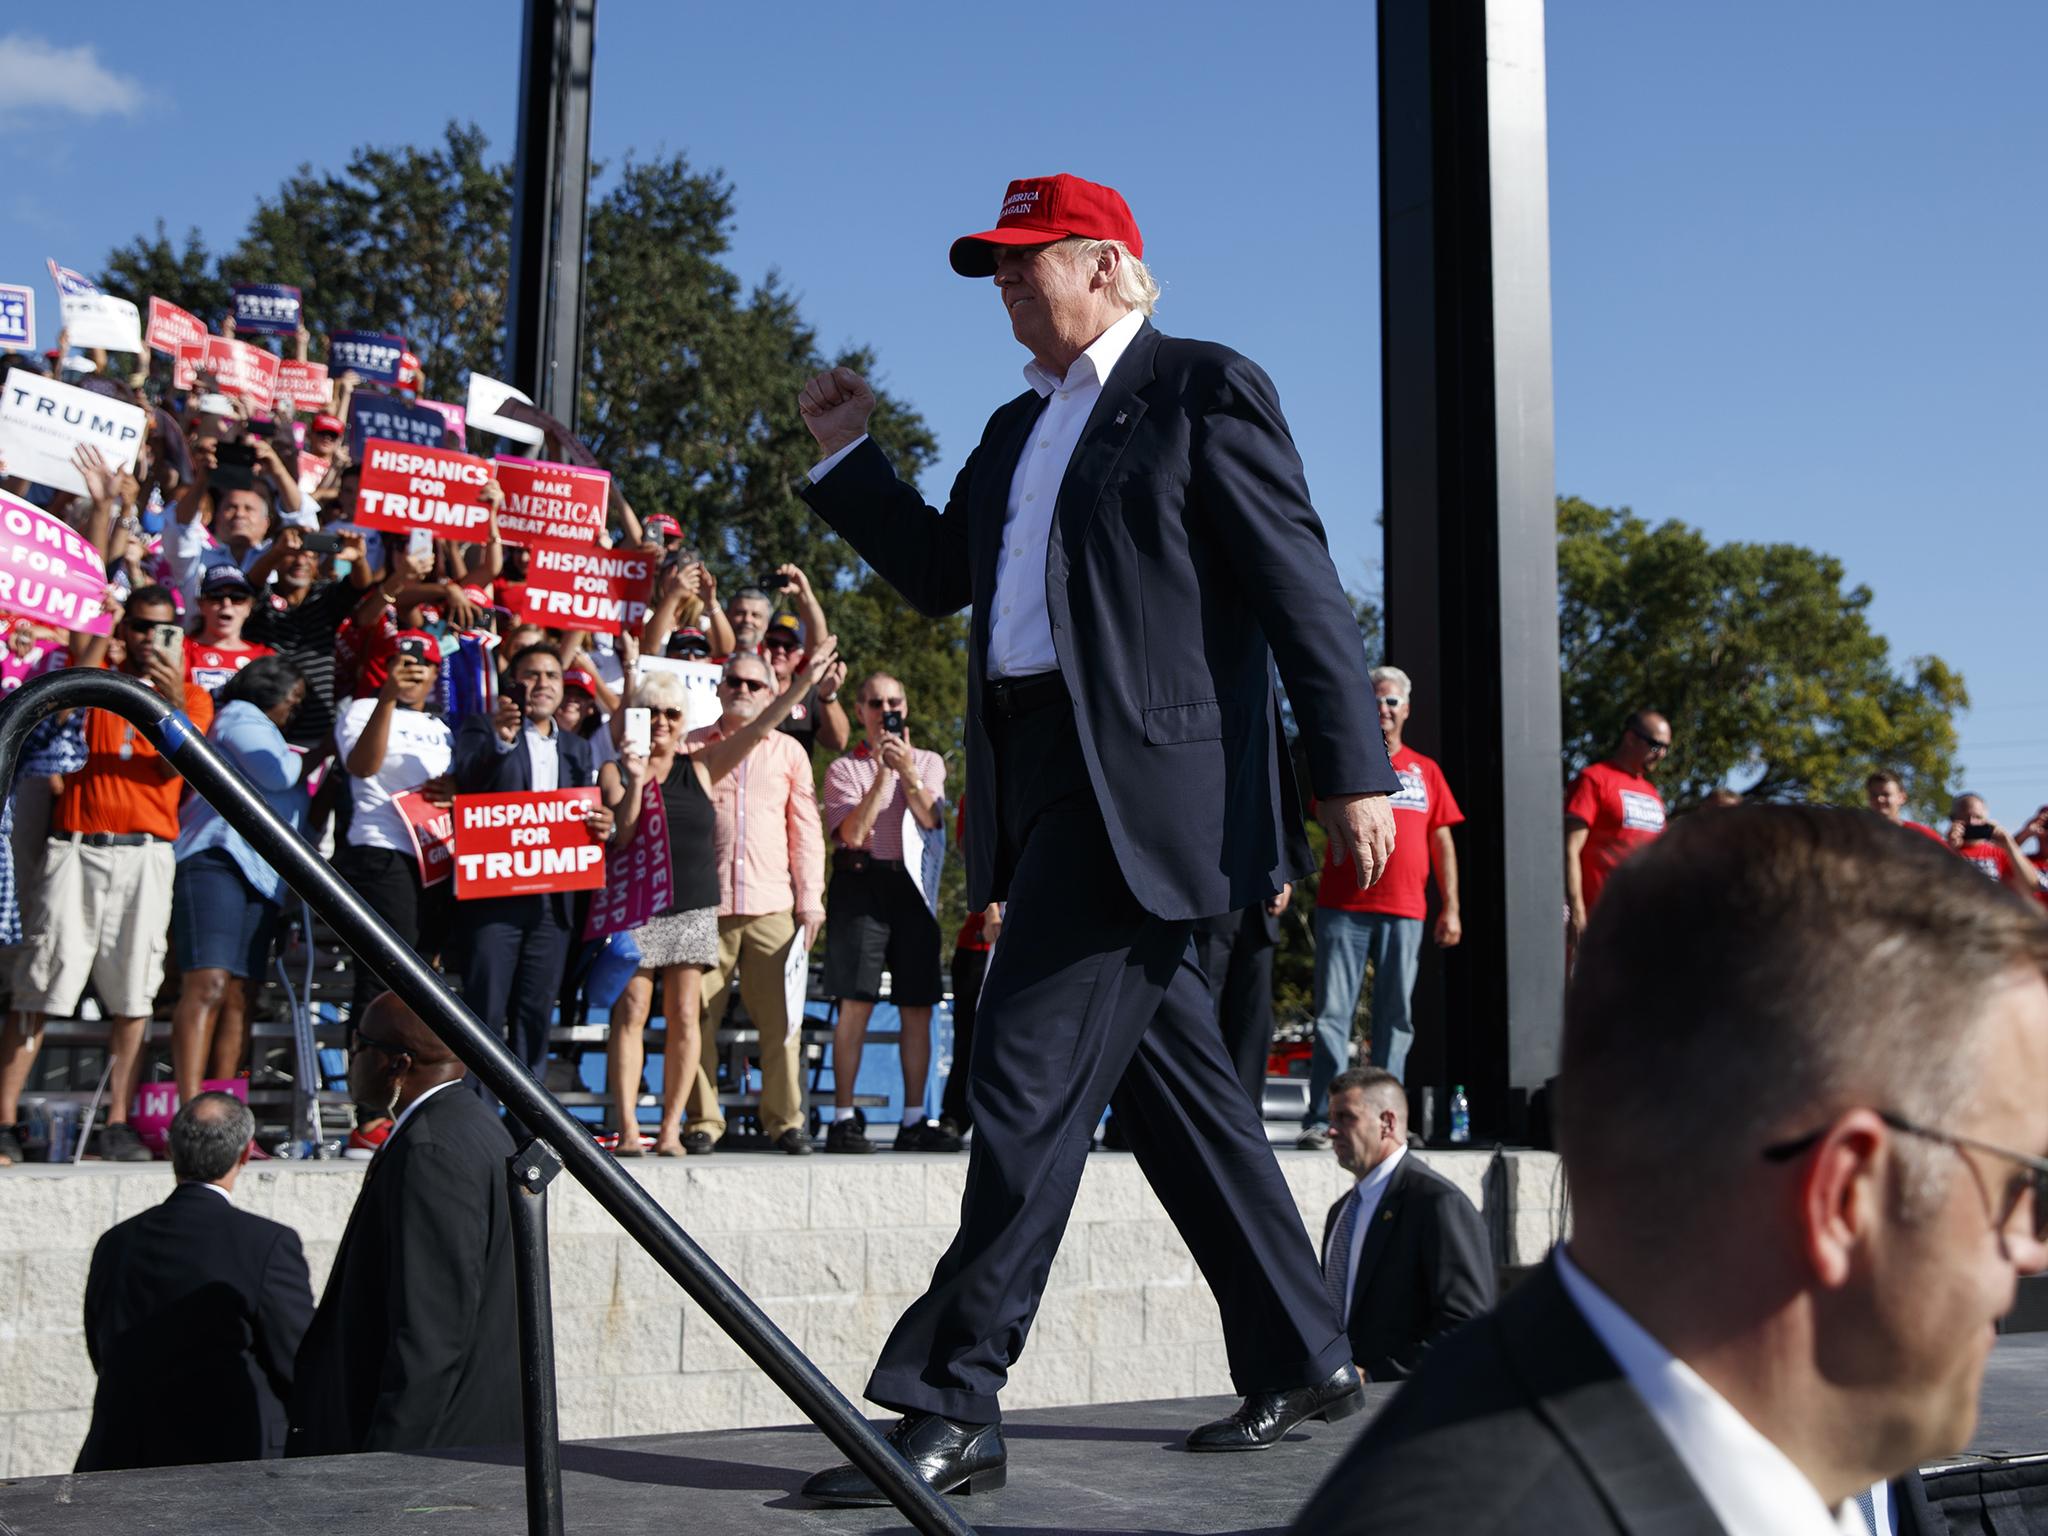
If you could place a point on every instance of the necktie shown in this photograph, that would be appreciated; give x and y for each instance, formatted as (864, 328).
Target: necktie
(1867, 1508)
(1337, 1262)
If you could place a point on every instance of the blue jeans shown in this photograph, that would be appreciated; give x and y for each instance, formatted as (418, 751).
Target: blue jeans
(1345, 941)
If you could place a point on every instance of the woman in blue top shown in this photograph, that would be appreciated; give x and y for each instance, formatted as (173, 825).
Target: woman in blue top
(224, 899)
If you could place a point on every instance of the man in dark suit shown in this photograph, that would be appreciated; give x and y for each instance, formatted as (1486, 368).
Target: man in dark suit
(1405, 1255)
(1136, 540)
(1795, 1220)
(415, 1344)
(515, 948)
(194, 1292)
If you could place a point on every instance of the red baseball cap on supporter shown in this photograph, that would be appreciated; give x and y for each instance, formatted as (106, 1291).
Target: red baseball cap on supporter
(324, 423)
(664, 525)
(576, 677)
(1041, 209)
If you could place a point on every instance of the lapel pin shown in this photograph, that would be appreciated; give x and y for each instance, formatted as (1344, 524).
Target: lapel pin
(1386, 1215)
(1122, 417)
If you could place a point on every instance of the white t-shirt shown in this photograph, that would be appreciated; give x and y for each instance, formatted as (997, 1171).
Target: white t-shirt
(420, 747)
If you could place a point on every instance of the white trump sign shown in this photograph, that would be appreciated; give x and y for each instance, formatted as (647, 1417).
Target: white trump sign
(42, 423)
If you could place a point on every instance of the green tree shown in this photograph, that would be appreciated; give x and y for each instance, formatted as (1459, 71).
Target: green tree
(153, 265)
(1759, 654)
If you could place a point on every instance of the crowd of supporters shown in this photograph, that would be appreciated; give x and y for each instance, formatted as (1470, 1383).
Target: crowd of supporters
(350, 675)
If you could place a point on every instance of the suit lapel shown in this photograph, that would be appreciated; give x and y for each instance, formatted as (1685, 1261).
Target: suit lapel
(1373, 1241)
(1007, 437)
(1577, 1388)
(1110, 426)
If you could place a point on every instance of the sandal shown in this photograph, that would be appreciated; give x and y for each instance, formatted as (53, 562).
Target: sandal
(669, 1148)
(637, 1149)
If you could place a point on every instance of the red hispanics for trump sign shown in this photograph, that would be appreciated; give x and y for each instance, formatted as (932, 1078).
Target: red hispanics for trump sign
(405, 487)
(600, 590)
(526, 844)
(552, 506)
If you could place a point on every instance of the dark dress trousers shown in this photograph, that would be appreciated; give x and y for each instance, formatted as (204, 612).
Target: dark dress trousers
(1138, 788)
(1425, 1267)
(415, 1344)
(1520, 1425)
(515, 949)
(193, 1314)
(1235, 952)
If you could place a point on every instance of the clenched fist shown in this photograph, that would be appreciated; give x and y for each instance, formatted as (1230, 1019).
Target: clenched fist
(836, 406)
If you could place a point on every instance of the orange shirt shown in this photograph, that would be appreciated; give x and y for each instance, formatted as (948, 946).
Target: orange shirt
(121, 789)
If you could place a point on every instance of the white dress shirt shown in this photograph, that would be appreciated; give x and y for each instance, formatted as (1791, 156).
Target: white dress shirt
(1751, 1485)
(406, 1113)
(1019, 625)
(1367, 1192)
(541, 751)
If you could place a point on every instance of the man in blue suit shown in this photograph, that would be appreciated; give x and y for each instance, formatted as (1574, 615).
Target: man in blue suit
(515, 948)
(1135, 537)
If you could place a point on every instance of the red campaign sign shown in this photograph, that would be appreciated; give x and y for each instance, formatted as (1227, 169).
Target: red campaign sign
(185, 366)
(172, 329)
(304, 384)
(601, 590)
(433, 835)
(241, 369)
(552, 506)
(526, 844)
(405, 487)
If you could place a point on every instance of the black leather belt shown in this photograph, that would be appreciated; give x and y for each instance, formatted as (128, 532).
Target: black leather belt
(109, 839)
(857, 861)
(1005, 698)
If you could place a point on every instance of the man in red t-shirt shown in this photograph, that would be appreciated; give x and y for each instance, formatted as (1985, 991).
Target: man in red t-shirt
(1995, 852)
(218, 651)
(1383, 923)
(1887, 796)
(1610, 811)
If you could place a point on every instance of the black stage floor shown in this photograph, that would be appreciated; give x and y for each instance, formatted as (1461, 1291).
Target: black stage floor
(1102, 1470)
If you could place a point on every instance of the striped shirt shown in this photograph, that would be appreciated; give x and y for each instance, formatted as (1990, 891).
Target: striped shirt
(853, 774)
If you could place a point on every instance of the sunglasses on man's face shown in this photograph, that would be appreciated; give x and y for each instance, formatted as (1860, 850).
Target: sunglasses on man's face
(1390, 701)
(1649, 741)
(746, 684)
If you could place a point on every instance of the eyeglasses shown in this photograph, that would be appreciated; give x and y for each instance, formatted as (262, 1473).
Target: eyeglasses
(358, 1041)
(1648, 740)
(2031, 1173)
(750, 684)
(224, 597)
(1390, 701)
(885, 703)
(144, 626)
(668, 712)
(781, 645)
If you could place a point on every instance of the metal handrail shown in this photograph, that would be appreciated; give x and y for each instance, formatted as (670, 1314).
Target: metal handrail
(201, 764)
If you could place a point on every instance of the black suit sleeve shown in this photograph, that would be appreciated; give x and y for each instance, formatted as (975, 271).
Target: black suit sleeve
(284, 1310)
(95, 1296)
(1456, 1262)
(478, 765)
(435, 1291)
(1247, 480)
(917, 549)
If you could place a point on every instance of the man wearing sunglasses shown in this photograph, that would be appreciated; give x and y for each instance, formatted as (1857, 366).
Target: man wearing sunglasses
(771, 895)
(1610, 811)
(414, 1344)
(1793, 1224)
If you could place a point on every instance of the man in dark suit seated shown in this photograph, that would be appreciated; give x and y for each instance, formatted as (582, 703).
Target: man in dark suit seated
(514, 949)
(416, 1342)
(1405, 1256)
(194, 1294)
(1803, 1102)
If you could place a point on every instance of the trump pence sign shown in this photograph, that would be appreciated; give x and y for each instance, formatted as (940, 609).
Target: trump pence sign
(529, 844)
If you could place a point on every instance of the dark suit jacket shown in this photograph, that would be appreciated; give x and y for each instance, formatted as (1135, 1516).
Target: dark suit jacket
(1425, 1267)
(481, 769)
(1519, 1425)
(416, 1342)
(200, 1305)
(1185, 557)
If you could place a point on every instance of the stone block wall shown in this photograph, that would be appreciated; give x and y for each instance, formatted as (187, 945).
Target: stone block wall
(832, 1249)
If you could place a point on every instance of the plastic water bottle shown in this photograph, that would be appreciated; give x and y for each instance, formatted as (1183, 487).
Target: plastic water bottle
(1461, 1115)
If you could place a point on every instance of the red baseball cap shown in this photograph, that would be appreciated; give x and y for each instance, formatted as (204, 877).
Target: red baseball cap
(576, 677)
(1041, 209)
(664, 525)
(325, 423)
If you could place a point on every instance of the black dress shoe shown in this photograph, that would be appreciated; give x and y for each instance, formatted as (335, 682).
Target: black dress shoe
(1263, 1417)
(951, 1456)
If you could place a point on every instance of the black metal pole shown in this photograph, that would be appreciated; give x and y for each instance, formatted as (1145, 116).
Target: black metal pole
(422, 990)
(550, 204)
(528, 1172)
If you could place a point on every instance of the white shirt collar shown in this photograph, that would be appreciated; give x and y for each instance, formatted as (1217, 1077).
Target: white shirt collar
(1092, 366)
(1376, 1177)
(407, 1113)
(214, 1187)
(1752, 1486)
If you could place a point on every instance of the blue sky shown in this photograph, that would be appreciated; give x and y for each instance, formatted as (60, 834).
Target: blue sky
(1796, 249)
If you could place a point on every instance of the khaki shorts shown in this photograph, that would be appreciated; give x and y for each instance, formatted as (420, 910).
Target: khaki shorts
(96, 914)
